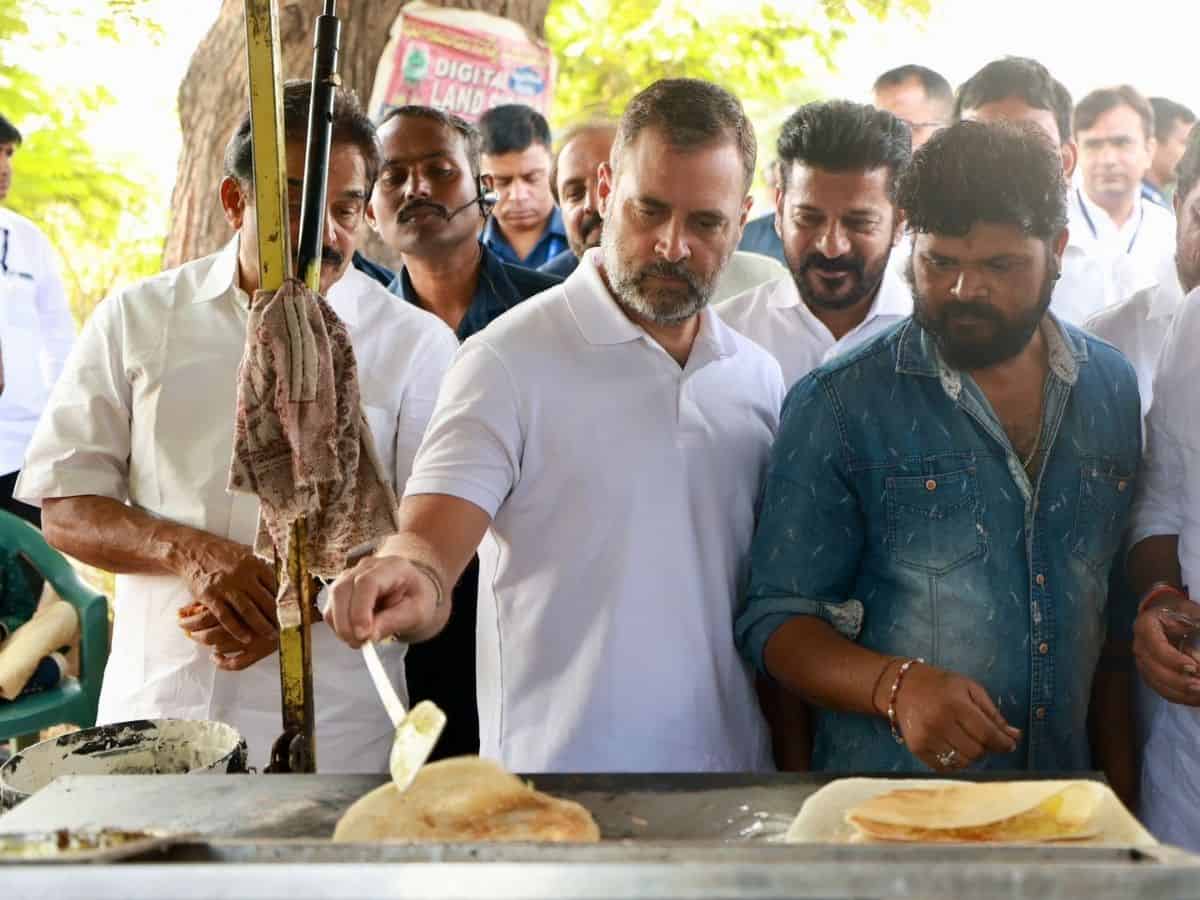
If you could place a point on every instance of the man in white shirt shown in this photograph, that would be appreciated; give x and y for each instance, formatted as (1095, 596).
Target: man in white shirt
(1108, 215)
(606, 442)
(131, 462)
(836, 215)
(36, 329)
(1164, 557)
(1018, 89)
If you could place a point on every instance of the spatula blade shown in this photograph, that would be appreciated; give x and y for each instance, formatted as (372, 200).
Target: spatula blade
(416, 736)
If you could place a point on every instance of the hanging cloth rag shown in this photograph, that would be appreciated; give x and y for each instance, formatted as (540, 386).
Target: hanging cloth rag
(301, 441)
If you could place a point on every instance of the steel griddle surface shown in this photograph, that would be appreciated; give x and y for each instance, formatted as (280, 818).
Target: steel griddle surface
(643, 807)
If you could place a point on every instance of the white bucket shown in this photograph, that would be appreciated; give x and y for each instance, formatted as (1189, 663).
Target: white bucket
(142, 747)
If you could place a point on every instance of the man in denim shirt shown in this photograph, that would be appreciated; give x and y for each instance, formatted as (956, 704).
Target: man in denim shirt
(954, 492)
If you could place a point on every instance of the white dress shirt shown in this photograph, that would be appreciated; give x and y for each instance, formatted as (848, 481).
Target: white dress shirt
(1129, 253)
(36, 332)
(745, 271)
(775, 317)
(144, 414)
(622, 492)
(1168, 503)
(1138, 326)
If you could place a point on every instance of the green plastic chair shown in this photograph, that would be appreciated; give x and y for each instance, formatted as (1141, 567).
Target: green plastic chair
(75, 699)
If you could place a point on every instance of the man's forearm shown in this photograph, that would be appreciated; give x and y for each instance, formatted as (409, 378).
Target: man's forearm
(119, 538)
(808, 657)
(1153, 559)
(438, 534)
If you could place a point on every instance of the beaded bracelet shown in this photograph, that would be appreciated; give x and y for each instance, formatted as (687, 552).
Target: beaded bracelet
(1157, 590)
(891, 710)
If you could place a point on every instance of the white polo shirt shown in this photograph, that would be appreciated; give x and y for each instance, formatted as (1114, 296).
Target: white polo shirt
(746, 271)
(144, 414)
(622, 489)
(36, 332)
(775, 317)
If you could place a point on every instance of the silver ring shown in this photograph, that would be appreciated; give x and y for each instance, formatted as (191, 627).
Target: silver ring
(947, 759)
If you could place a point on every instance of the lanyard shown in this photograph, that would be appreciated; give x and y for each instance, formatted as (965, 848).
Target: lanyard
(1092, 225)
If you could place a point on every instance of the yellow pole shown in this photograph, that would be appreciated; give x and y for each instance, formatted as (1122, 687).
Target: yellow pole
(275, 266)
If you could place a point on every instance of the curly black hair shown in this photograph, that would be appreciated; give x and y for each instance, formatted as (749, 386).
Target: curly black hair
(1004, 173)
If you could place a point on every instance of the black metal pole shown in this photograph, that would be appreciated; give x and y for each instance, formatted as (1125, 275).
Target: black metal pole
(316, 161)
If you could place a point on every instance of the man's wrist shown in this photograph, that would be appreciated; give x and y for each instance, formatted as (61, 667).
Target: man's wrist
(435, 578)
(1157, 593)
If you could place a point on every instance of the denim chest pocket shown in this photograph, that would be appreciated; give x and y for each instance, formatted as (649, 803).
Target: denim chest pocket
(933, 520)
(1105, 494)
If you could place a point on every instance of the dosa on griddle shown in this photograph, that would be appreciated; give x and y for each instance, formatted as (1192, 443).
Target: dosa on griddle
(464, 799)
(1008, 811)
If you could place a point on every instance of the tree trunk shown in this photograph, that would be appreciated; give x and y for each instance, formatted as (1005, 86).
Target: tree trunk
(212, 96)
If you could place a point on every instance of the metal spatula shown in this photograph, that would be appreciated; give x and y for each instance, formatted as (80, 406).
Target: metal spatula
(417, 730)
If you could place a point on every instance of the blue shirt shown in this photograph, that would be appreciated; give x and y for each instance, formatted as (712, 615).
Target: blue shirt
(501, 286)
(369, 267)
(759, 237)
(562, 265)
(552, 242)
(896, 509)
(1154, 195)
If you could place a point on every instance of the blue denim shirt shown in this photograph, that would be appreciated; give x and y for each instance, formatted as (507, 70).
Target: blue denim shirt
(896, 509)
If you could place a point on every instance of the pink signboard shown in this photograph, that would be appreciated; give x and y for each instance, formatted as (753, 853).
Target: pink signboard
(464, 67)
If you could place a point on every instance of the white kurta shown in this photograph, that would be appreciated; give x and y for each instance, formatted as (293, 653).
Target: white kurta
(144, 413)
(775, 317)
(36, 332)
(622, 489)
(1168, 503)
(1138, 326)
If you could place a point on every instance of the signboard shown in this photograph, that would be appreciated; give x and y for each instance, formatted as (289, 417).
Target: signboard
(463, 62)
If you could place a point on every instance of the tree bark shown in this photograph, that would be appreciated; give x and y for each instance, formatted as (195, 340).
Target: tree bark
(212, 96)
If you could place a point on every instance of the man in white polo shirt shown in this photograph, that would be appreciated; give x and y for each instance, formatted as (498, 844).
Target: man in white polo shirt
(606, 442)
(838, 163)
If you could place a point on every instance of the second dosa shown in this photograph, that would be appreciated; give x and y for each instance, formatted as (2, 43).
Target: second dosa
(993, 811)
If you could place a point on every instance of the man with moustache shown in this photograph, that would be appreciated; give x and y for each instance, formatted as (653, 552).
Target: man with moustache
(1162, 561)
(575, 177)
(1018, 89)
(131, 460)
(1108, 214)
(428, 205)
(605, 441)
(943, 504)
(835, 210)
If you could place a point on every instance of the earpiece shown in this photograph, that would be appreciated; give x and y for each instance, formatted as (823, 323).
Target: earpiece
(487, 198)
